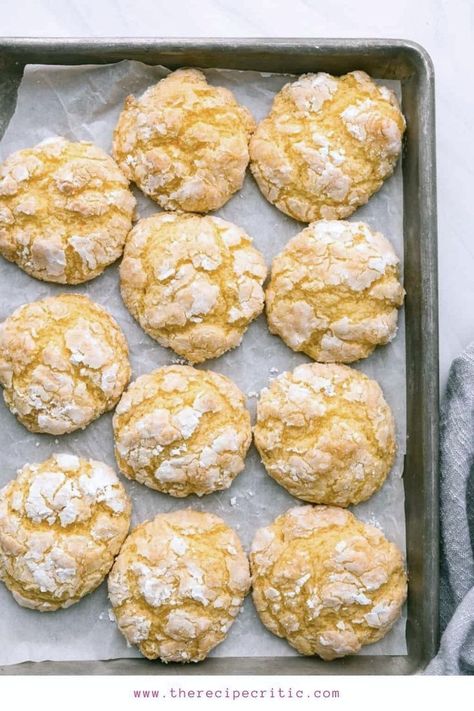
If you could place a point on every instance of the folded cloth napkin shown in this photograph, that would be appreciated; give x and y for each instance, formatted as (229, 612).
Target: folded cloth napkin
(456, 652)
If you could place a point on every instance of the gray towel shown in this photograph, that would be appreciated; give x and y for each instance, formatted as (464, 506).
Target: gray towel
(456, 653)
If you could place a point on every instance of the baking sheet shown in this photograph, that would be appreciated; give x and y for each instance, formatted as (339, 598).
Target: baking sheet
(82, 103)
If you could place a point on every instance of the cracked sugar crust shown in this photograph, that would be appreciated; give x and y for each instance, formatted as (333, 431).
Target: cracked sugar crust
(194, 283)
(63, 363)
(178, 584)
(65, 210)
(182, 431)
(184, 142)
(334, 291)
(326, 434)
(327, 145)
(325, 581)
(62, 522)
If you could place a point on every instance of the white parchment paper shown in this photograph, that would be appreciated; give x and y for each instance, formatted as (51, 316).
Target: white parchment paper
(83, 103)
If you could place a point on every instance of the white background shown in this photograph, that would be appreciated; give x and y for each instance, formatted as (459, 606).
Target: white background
(290, 693)
(444, 27)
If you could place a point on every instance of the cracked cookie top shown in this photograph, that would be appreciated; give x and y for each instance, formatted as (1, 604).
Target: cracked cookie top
(184, 142)
(326, 434)
(327, 145)
(63, 363)
(194, 283)
(182, 431)
(178, 584)
(65, 210)
(335, 291)
(62, 522)
(325, 581)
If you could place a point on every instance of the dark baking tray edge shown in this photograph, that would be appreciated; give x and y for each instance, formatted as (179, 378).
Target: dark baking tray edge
(385, 59)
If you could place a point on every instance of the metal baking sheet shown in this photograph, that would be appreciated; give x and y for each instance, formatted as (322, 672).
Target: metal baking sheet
(410, 66)
(83, 102)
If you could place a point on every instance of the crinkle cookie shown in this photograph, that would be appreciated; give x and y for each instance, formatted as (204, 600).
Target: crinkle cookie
(182, 431)
(65, 210)
(327, 145)
(178, 584)
(325, 581)
(193, 283)
(334, 291)
(63, 363)
(326, 434)
(62, 522)
(184, 142)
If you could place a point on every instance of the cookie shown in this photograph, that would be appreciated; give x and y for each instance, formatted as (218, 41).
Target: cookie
(178, 584)
(335, 291)
(63, 363)
(182, 431)
(65, 210)
(193, 283)
(325, 581)
(184, 142)
(326, 434)
(62, 522)
(327, 145)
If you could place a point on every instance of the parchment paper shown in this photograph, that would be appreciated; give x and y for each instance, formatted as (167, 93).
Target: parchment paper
(83, 103)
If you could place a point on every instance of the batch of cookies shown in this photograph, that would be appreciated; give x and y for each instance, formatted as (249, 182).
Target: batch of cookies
(321, 578)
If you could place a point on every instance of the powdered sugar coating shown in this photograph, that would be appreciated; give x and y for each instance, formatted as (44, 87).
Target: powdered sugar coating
(334, 291)
(63, 363)
(184, 142)
(178, 584)
(62, 522)
(65, 210)
(182, 431)
(325, 581)
(193, 283)
(327, 145)
(326, 434)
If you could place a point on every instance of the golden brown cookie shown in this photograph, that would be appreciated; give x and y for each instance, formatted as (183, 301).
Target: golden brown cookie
(326, 434)
(65, 210)
(334, 291)
(327, 145)
(184, 142)
(62, 522)
(63, 363)
(325, 581)
(193, 283)
(178, 584)
(182, 431)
